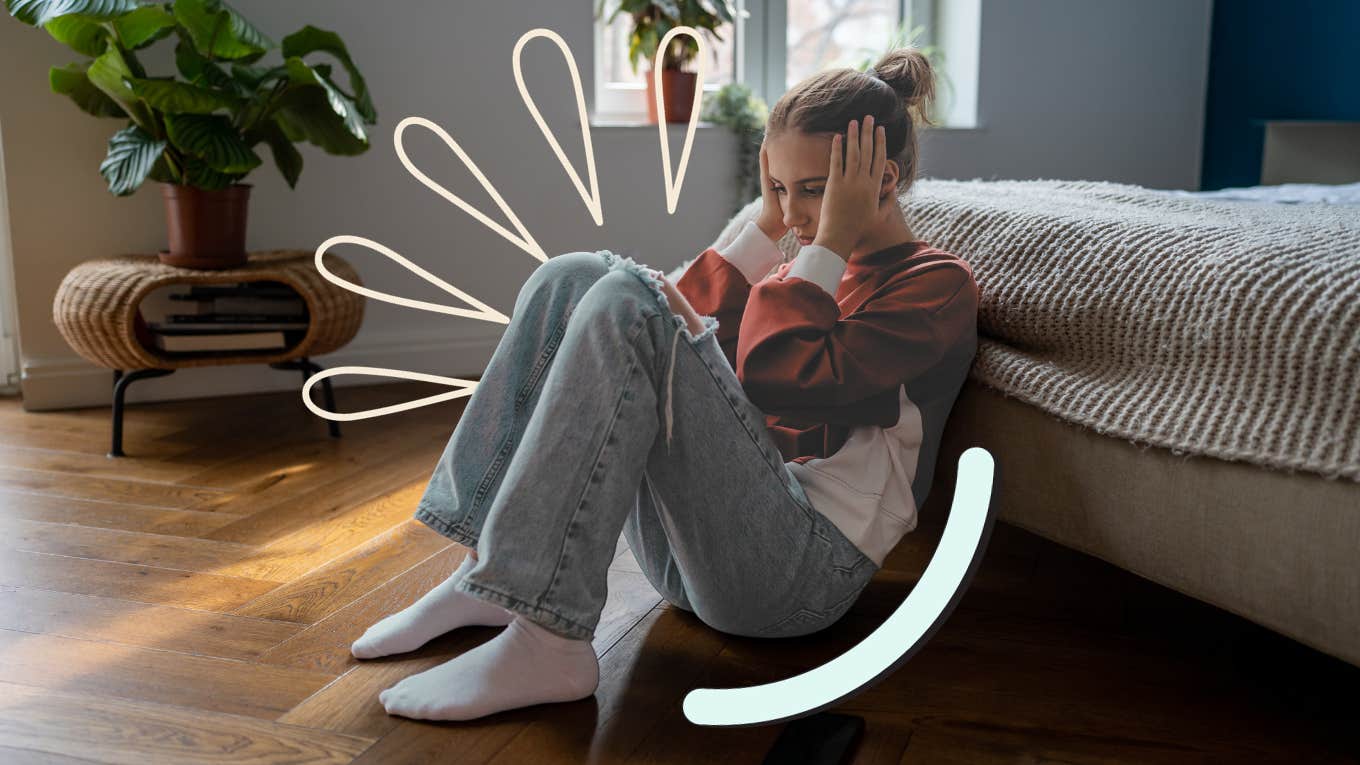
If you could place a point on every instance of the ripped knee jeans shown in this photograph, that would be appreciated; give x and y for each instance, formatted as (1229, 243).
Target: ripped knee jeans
(601, 414)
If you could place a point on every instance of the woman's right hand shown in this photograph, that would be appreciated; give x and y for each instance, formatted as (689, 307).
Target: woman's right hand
(771, 217)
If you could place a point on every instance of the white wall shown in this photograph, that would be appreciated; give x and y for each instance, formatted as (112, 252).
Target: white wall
(1067, 89)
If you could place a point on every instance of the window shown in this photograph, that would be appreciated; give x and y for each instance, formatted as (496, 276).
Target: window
(776, 43)
(620, 93)
(828, 33)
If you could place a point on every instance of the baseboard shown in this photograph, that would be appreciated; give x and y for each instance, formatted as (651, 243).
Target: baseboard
(69, 382)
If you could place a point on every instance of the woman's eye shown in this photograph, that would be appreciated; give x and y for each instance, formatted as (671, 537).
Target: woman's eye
(778, 190)
(812, 192)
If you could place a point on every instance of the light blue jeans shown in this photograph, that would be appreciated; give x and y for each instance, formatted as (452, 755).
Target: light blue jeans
(563, 445)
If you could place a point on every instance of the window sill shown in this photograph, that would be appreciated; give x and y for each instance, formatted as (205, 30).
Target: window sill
(636, 123)
(954, 129)
(612, 123)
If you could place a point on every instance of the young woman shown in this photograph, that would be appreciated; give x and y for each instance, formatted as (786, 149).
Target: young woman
(762, 440)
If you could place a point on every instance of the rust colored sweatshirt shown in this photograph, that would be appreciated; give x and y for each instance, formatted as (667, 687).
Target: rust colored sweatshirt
(856, 366)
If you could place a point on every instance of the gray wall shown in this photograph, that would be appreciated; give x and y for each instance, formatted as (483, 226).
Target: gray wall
(1068, 89)
(1085, 89)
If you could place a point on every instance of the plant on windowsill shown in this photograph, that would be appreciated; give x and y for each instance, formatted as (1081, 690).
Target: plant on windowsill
(196, 133)
(910, 38)
(652, 19)
(734, 106)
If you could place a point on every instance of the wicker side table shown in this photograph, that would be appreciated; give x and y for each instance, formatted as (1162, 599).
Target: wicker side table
(96, 309)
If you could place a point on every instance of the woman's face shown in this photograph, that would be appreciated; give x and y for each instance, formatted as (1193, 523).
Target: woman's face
(798, 166)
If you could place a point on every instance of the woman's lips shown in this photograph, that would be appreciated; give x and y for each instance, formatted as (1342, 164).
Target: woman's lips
(805, 241)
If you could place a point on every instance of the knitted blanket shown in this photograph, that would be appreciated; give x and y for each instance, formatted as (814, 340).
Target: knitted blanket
(1219, 328)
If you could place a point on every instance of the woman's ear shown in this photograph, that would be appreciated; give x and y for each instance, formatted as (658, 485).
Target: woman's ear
(888, 185)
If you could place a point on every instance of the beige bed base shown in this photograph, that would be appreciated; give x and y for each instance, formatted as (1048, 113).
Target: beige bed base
(1281, 549)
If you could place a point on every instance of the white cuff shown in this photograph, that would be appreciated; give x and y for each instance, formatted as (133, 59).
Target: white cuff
(752, 253)
(820, 266)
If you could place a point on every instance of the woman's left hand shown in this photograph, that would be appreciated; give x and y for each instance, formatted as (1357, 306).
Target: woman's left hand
(852, 186)
(678, 304)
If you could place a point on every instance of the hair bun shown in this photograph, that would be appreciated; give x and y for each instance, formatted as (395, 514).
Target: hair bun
(908, 72)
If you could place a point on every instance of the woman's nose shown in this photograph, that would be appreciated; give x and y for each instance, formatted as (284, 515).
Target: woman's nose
(793, 216)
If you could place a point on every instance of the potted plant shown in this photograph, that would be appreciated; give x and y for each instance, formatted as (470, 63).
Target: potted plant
(196, 132)
(734, 106)
(651, 22)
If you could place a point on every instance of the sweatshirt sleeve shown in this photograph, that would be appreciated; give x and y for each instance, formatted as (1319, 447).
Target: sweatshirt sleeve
(796, 354)
(718, 284)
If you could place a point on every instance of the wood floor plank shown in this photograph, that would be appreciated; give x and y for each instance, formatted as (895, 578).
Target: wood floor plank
(147, 493)
(360, 446)
(57, 663)
(109, 515)
(335, 708)
(15, 756)
(83, 464)
(350, 704)
(74, 431)
(324, 645)
(143, 584)
(334, 480)
(112, 620)
(883, 743)
(331, 586)
(643, 680)
(158, 550)
(130, 732)
(351, 496)
(959, 743)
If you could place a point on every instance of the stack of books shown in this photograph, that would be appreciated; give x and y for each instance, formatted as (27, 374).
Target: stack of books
(247, 316)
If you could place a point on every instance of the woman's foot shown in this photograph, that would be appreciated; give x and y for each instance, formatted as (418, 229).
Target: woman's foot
(526, 664)
(438, 611)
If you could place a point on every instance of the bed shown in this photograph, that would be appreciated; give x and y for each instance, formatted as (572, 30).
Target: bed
(1169, 381)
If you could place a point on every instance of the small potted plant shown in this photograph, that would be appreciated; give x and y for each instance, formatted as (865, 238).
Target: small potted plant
(651, 21)
(734, 106)
(196, 132)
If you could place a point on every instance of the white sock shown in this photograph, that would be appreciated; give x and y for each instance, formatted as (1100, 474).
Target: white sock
(526, 664)
(438, 611)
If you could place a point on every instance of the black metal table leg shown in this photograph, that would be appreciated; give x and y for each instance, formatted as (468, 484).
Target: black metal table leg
(309, 368)
(120, 384)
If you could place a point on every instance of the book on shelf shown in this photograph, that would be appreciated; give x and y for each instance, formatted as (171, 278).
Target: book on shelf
(213, 322)
(200, 303)
(228, 304)
(219, 341)
(240, 289)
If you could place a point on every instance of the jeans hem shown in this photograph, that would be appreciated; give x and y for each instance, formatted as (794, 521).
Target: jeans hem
(550, 620)
(453, 531)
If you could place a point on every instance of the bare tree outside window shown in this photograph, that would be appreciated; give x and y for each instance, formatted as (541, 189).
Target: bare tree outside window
(832, 33)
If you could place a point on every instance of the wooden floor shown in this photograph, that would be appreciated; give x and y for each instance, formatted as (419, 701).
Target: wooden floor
(195, 603)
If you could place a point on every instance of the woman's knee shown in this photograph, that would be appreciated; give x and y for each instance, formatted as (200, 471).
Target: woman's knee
(577, 270)
(619, 293)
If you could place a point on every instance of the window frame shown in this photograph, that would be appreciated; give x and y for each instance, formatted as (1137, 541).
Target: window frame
(760, 43)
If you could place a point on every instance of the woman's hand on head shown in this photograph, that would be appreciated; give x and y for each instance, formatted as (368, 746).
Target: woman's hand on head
(851, 202)
(771, 217)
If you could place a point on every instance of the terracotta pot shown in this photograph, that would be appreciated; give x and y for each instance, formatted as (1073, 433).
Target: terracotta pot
(206, 229)
(677, 90)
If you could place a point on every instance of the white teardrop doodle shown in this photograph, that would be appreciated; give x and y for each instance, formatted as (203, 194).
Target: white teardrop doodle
(464, 388)
(524, 241)
(592, 199)
(483, 312)
(673, 187)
